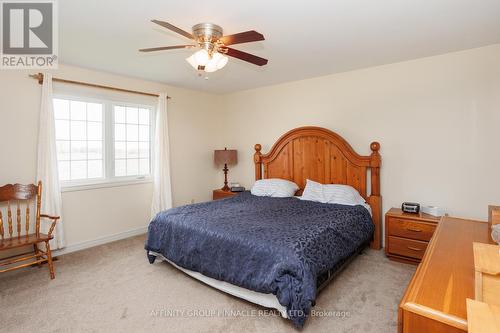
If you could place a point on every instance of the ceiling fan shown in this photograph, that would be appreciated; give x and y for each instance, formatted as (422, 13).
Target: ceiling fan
(214, 49)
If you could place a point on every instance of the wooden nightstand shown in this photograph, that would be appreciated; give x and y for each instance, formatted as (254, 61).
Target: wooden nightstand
(220, 194)
(407, 235)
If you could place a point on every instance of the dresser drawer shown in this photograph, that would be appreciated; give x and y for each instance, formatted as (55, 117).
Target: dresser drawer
(410, 229)
(406, 247)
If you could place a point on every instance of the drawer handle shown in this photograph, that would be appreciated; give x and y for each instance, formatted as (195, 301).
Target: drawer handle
(412, 229)
(414, 248)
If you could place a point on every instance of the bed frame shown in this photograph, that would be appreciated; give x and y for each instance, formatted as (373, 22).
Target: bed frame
(321, 155)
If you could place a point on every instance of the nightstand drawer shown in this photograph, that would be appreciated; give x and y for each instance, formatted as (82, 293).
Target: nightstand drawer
(410, 229)
(406, 247)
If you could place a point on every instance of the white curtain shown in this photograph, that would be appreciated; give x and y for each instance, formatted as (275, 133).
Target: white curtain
(162, 191)
(47, 165)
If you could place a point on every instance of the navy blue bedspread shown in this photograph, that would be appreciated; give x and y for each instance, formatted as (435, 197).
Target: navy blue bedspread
(269, 245)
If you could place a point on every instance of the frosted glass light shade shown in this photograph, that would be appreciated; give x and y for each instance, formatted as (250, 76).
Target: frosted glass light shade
(218, 61)
(222, 62)
(192, 61)
(211, 66)
(202, 57)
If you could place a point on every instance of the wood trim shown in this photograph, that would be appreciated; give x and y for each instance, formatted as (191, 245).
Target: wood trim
(436, 294)
(50, 217)
(439, 316)
(321, 155)
(402, 259)
(478, 286)
(375, 203)
(220, 194)
(324, 133)
(17, 192)
(18, 259)
(39, 78)
(483, 317)
(398, 213)
(424, 265)
(38, 207)
(31, 263)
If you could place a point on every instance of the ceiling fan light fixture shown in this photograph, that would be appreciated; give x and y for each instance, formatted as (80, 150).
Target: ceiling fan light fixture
(202, 57)
(220, 60)
(210, 68)
(217, 62)
(192, 61)
(212, 64)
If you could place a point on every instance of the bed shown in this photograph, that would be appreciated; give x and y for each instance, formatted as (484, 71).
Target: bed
(277, 252)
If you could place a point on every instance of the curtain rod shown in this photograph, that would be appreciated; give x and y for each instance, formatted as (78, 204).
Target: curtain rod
(39, 77)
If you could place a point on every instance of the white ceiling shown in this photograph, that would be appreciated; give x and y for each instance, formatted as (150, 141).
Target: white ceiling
(303, 38)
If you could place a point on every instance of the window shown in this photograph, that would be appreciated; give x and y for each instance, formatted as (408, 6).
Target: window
(132, 138)
(102, 141)
(79, 139)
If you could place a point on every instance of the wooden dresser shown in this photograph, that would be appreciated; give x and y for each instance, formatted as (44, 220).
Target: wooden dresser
(435, 300)
(407, 235)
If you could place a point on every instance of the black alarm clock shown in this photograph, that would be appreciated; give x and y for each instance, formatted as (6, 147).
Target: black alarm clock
(237, 189)
(410, 207)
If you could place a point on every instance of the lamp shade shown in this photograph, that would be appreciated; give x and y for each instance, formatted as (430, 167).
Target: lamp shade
(226, 156)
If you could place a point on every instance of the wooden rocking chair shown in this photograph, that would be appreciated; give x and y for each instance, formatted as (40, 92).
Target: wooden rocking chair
(27, 235)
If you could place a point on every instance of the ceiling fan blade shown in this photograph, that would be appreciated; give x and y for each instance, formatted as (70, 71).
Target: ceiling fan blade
(246, 57)
(173, 28)
(162, 48)
(242, 37)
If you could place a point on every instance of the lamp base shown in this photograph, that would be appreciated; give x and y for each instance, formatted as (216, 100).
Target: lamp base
(225, 188)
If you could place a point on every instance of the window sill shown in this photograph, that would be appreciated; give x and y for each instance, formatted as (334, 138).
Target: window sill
(104, 184)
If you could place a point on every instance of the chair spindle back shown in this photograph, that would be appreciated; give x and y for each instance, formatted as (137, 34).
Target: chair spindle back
(17, 194)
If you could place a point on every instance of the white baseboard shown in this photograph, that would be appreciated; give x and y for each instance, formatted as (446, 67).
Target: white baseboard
(99, 241)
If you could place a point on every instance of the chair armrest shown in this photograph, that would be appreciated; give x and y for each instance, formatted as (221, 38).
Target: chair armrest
(53, 225)
(50, 217)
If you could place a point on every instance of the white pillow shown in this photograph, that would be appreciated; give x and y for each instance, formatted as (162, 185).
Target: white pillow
(274, 187)
(313, 192)
(332, 193)
(342, 194)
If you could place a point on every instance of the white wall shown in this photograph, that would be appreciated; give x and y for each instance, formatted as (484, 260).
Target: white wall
(437, 120)
(92, 214)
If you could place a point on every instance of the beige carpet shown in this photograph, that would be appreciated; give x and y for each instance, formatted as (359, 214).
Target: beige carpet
(113, 288)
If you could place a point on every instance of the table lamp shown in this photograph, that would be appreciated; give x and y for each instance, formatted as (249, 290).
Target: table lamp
(225, 157)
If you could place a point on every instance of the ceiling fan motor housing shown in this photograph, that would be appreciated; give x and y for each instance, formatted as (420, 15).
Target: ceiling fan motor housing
(207, 35)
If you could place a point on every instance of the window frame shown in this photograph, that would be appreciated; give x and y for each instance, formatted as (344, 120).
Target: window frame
(109, 179)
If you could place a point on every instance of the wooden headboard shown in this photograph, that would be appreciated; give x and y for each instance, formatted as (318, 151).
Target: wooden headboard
(321, 155)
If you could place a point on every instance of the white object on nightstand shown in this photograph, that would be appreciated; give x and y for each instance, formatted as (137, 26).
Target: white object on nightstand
(433, 210)
(495, 234)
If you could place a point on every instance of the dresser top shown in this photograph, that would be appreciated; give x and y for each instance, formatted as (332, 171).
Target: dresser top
(445, 278)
